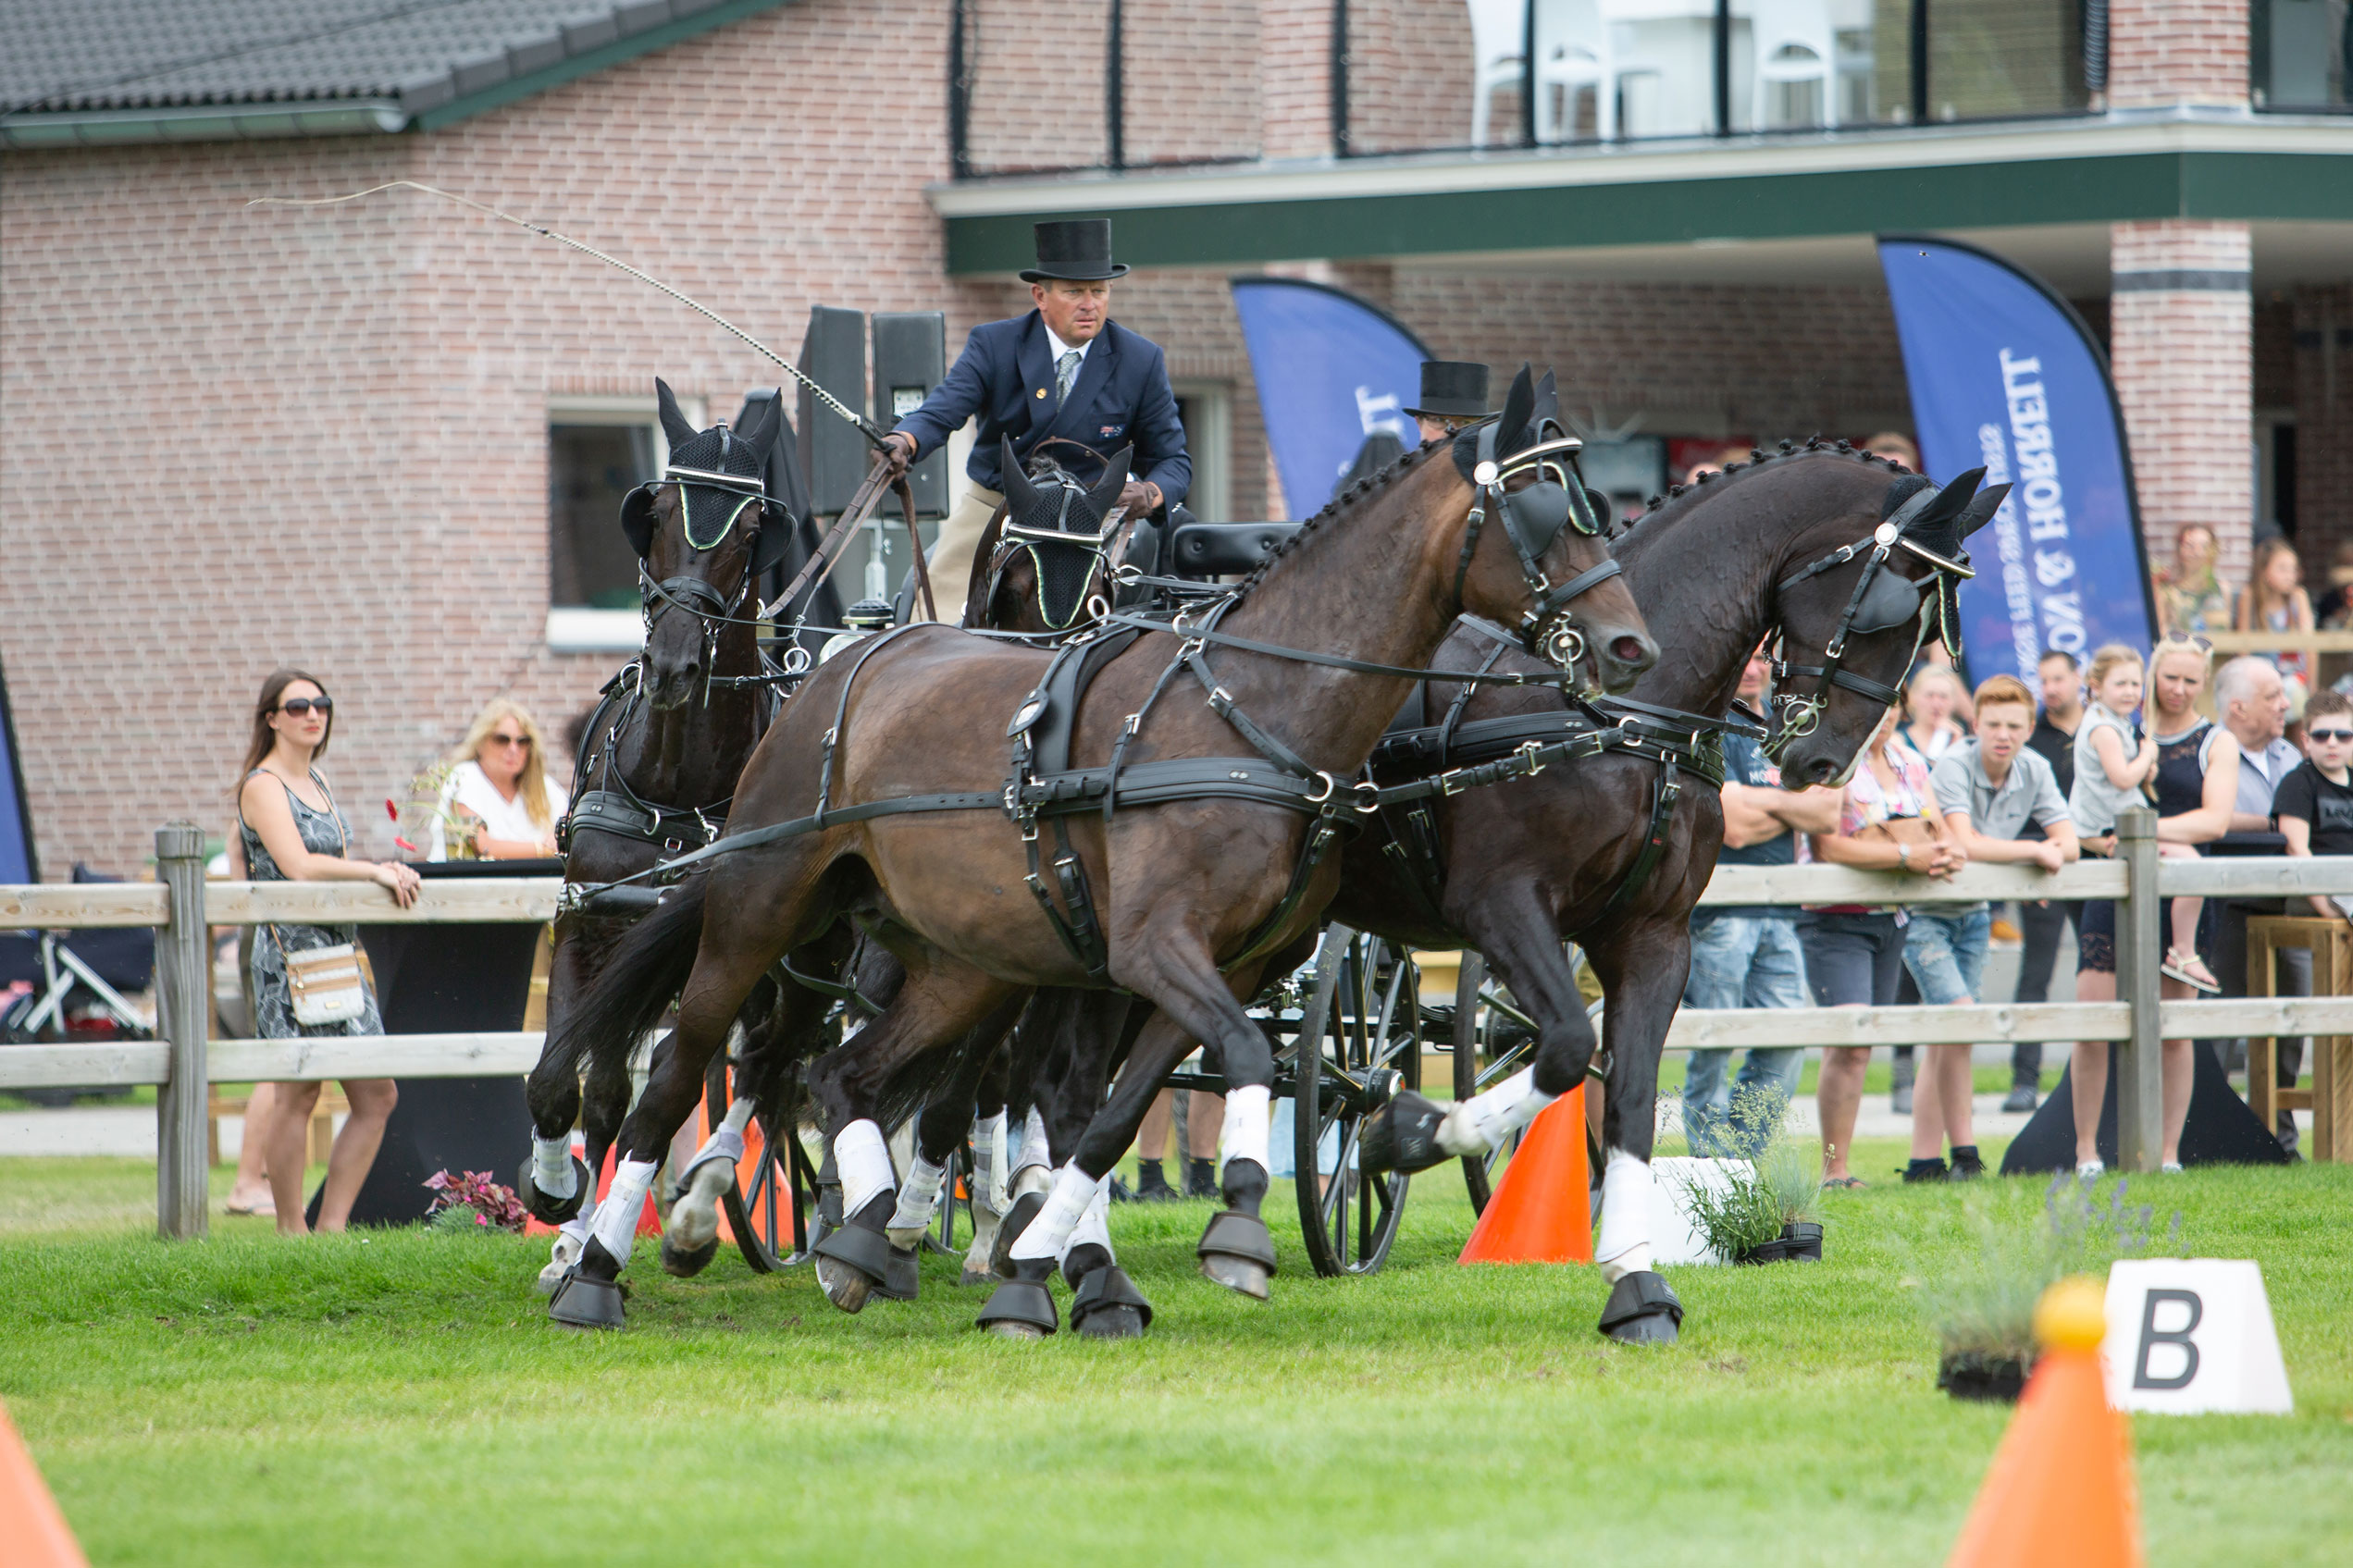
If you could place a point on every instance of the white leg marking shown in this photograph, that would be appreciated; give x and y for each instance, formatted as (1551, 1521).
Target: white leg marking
(863, 1161)
(616, 1221)
(1050, 1231)
(1625, 1244)
(570, 1238)
(1093, 1226)
(1247, 1119)
(1483, 1121)
(552, 1170)
(918, 1201)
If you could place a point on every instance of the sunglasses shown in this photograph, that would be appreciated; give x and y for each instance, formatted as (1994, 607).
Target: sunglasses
(300, 707)
(2328, 737)
(523, 741)
(2191, 638)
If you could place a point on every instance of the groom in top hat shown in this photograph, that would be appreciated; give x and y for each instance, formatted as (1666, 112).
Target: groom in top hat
(1453, 394)
(1065, 370)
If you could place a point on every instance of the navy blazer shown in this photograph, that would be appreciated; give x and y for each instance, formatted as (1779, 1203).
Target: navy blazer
(1005, 376)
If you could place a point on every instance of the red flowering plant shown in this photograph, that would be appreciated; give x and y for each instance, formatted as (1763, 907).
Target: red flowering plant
(471, 1201)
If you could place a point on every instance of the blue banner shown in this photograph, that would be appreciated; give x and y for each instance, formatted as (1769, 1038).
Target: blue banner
(16, 823)
(1330, 369)
(2005, 375)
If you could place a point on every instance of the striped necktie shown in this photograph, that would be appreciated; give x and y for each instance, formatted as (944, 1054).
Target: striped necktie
(1065, 370)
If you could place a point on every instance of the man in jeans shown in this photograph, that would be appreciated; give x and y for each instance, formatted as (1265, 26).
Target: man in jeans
(2043, 919)
(1748, 956)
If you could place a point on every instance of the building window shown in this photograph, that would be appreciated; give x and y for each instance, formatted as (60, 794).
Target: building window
(1206, 408)
(599, 449)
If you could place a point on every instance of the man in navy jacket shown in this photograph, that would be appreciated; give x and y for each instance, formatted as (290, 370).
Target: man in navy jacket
(1064, 370)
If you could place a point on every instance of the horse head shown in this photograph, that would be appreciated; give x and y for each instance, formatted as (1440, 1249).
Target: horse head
(1049, 567)
(704, 532)
(1852, 619)
(1537, 560)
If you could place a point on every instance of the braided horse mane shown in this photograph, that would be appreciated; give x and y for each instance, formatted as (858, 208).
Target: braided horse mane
(1759, 458)
(1340, 505)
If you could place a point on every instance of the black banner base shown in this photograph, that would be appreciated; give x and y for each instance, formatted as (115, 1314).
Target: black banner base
(2220, 1129)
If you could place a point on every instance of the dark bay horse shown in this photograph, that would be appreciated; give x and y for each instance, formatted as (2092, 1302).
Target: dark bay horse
(662, 755)
(1188, 884)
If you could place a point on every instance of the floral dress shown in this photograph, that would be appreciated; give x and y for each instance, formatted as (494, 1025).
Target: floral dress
(324, 832)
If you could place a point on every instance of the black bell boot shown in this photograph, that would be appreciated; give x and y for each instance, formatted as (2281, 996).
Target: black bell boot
(1402, 1135)
(1966, 1165)
(1022, 1307)
(855, 1260)
(1107, 1306)
(590, 1293)
(1928, 1170)
(1642, 1309)
(1235, 1250)
(550, 1210)
(1201, 1178)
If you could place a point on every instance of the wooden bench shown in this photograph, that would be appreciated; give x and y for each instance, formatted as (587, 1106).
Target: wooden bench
(2331, 1097)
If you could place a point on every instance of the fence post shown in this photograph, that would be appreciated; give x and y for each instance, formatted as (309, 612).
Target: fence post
(2137, 1070)
(183, 987)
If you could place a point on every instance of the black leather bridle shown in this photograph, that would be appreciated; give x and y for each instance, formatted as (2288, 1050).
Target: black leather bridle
(1533, 517)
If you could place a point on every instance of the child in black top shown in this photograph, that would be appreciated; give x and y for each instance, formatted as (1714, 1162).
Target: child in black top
(2314, 803)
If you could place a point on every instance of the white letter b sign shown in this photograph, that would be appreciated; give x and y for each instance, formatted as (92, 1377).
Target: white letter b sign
(2187, 1336)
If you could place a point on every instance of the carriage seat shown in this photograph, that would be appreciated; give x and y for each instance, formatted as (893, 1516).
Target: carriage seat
(1217, 549)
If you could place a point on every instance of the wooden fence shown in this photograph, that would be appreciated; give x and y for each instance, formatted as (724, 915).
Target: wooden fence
(182, 1062)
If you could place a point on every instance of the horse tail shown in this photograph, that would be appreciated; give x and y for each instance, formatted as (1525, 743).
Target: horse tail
(641, 977)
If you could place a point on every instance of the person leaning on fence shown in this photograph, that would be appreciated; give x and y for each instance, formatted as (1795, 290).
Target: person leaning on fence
(1854, 952)
(1991, 789)
(2197, 787)
(502, 782)
(1750, 957)
(2042, 920)
(2314, 803)
(292, 831)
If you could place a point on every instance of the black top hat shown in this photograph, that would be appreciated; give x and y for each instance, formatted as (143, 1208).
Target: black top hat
(1452, 390)
(1078, 251)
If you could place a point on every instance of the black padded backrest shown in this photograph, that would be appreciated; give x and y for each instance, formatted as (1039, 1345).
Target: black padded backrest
(1217, 549)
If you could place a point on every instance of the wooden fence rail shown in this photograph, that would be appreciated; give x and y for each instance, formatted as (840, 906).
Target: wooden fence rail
(181, 905)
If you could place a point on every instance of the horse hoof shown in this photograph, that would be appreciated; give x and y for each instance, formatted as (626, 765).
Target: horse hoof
(844, 1286)
(975, 1276)
(1242, 1276)
(685, 1263)
(1642, 1310)
(583, 1302)
(1011, 1330)
(550, 1210)
(1236, 1252)
(901, 1279)
(1108, 1306)
(1020, 1309)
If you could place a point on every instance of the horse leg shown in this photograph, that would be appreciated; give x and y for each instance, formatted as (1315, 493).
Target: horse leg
(941, 1128)
(1517, 930)
(990, 1196)
(776, 1015)
(1106, 1304)
(1643, 994)
(553, 1183)
(940, 1000)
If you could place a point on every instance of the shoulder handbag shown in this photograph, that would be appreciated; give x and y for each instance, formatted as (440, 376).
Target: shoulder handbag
(324, 983)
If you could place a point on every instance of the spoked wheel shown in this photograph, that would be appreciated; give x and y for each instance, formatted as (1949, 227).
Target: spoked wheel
(1493, 1039)
(1359, 1042)
(767, 1209)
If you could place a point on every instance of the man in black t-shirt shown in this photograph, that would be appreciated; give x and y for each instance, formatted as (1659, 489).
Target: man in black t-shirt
(2054, 741)
(2314, 802)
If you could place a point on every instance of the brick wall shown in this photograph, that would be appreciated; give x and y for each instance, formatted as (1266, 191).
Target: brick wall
(1409, 77)
(2176, 52)
(2185, 378)
(1192, 82)
(1295, 78)
(1037, 73)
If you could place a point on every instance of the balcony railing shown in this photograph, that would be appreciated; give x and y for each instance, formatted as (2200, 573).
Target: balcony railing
(1101, 84)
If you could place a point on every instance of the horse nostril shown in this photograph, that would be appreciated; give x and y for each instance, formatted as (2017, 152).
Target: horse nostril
(1629, 649)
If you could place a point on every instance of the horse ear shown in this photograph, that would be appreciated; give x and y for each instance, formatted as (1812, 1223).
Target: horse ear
(638, 520)
(1981, 508)
(761, 432)
(675, 426)
(1105, 493)
(1948, 502)
(1519, 404)
(1019, 493)
(1548, 401)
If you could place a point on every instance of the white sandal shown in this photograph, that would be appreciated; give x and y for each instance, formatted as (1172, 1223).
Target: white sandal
(2190, 970)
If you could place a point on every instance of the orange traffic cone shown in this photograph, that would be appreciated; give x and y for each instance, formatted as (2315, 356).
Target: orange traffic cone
(1541, 1212)
(2060, 1493)
(33, 1534)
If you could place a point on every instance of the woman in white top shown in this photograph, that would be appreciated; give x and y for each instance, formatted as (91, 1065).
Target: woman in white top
(1929, 702)
(501, 784)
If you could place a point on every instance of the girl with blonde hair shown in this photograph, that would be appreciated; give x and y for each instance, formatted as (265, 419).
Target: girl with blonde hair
(501, 788)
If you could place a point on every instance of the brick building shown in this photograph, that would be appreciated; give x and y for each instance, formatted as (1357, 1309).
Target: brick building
(359, 437)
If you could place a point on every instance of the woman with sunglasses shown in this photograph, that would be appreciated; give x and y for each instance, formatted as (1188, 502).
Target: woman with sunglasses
(501, 785)
(292, 831)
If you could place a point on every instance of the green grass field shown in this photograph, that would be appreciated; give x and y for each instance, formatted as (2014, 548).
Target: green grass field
(401, 1399)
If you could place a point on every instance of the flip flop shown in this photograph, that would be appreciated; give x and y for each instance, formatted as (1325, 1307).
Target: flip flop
(263, 1211)
(1845, 1184)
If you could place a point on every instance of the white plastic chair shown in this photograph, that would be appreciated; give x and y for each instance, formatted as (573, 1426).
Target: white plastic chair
(1794, 42)
(1578, 46)
(1496, 33)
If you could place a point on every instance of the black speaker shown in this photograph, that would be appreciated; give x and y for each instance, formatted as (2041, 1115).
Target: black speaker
(911, 358)
(834, 456)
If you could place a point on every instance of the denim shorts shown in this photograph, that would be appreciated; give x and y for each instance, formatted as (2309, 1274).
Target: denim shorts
(1947, 955)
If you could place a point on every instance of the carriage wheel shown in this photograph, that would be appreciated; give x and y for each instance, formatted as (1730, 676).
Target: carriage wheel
(1362, 1029)
(767, 1205)
(1493, 1039)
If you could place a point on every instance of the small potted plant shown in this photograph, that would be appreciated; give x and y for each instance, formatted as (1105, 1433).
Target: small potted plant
(1763, 1204)
(1794, 1177)
(1738, 1214)
(471, 1201)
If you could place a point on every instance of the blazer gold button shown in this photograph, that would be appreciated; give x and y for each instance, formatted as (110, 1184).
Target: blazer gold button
(1041, 391)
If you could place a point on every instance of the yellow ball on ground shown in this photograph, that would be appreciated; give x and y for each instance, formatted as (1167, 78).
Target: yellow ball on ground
(2072, 1314)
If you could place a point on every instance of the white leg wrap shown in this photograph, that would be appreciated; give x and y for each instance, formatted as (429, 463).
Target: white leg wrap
(918, 1200)
(988, 1164)
(726, 1140)
(1093, 1226)
(863, 1162)
(1626, 1188)
(552, 1170)
(616, 1222)
(1049, 1233)
(1033, 1150)
(1247, 1119)
(1483, 1121)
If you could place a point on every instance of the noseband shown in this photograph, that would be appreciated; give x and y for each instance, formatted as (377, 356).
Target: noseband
(1533, 518)
(1882, 601)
